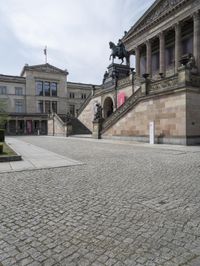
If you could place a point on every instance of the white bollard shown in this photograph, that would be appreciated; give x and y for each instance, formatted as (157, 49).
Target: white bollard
(152, 132)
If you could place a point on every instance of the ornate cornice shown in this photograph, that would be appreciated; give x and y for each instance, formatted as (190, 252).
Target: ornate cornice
(159, 10)
(44, 68)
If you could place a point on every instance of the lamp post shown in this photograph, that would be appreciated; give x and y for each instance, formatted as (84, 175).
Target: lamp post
(132, 78)
(115, 76)
(53, 124)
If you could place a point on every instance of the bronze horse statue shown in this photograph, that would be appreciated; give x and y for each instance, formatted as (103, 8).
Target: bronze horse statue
(119, 51)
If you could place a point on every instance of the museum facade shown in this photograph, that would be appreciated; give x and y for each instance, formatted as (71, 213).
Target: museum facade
(164, 90)
(37, 93)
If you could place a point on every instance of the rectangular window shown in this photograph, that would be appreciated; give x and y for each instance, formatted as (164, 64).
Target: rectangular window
(3, 89)
(71, 95)
(19, 106)
(47, 107)
(39, 88)
(54, 107)
(40, 107)
(18, 91)
(83, 96)
(53, 89)
(47, 88)
(72, 109)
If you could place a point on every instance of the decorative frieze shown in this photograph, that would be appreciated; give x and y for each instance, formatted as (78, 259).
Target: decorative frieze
(161, 9)
(123, 83)
(163, 85)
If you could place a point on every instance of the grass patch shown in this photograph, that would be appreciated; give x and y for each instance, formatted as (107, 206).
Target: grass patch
(7, 151)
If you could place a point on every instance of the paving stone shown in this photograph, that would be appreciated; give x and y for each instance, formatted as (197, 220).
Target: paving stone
(125, 205)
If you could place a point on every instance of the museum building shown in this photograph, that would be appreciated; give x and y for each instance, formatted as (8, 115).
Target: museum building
(40, 91)
(164, 89)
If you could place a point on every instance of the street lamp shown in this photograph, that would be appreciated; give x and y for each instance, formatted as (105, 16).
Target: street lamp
(53, 123)
(115, 76)
(133, 78)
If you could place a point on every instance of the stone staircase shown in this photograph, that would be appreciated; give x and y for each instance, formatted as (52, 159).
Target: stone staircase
(84, 104)
(122, 110)
(78, 128)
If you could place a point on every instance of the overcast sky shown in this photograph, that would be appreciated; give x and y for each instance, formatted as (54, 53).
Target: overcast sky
(76, 32)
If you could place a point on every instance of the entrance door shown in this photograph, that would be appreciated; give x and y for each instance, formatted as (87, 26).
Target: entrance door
(29, 127)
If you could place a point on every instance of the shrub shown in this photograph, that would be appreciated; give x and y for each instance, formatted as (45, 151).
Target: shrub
(2, 135)
(1, 148)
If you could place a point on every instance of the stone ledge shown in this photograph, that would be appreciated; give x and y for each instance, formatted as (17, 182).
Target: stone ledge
(10, 158)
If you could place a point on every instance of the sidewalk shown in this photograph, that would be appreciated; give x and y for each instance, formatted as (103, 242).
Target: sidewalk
(34, 157)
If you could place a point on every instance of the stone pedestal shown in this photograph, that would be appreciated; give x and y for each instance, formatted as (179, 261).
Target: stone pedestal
(144, 84)
(68, 129)
(184, 74)
(96, 133)
(115, 71)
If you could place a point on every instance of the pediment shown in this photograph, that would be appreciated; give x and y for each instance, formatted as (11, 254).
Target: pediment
(47, 68)
(159, 9)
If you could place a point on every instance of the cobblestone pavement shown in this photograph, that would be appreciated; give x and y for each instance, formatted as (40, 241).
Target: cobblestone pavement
(126, 205)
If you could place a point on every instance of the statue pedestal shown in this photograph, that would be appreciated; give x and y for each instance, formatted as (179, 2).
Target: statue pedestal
(68, 129)
(121, 71)
(96, 133)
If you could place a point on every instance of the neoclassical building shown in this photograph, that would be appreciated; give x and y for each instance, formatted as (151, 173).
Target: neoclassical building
(35, 94)
(168, 30)
(164, 90)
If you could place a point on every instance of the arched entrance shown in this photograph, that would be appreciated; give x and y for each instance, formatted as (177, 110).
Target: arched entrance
(107, 107)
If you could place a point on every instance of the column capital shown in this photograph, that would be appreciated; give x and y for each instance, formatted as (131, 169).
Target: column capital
(196, 15)
(148, 42)
(161, 35)
(177, 25)
(137, 48)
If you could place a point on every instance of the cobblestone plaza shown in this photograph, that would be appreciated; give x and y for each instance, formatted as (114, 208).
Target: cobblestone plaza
(126, 204)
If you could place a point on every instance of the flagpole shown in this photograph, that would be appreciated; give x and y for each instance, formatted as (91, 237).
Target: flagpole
(45, 53)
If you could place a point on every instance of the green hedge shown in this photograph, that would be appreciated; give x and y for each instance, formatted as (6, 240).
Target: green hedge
(2, 135)
(1, 148)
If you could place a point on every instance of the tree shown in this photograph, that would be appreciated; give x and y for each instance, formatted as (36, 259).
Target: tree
(3, 113)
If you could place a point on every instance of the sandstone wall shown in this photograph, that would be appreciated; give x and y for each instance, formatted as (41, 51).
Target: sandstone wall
(193, 114)
(168, 113)
(56, 128)
(87, 115)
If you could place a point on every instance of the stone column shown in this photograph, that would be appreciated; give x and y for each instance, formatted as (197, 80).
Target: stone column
(177, 46)
(162, 53)
(196, 41)
(44, 107)
(149, 61)
(137, 63)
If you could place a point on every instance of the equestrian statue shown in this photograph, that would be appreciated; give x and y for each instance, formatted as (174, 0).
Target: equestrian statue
(119, 51)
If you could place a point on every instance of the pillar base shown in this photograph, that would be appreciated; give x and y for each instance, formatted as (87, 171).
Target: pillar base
(96, 133)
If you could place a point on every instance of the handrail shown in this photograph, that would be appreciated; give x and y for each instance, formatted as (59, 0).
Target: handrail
(84, 104)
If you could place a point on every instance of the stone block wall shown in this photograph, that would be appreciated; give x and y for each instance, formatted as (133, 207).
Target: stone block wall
(193, 116)
(87, 115)
(56, 128)
(167, 111)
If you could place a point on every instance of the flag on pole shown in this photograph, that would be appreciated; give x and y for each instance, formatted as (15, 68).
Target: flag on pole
(45, 50)
(45, 53)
